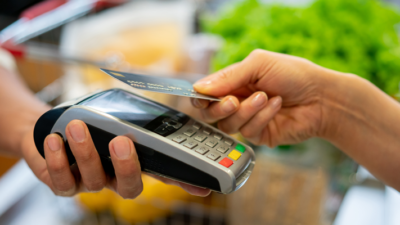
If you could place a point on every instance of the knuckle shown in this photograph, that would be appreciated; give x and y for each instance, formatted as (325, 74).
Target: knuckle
(225, 73)
(56, 168)
(247, 132)
(96, 185)
(257, 53)
(85, 155)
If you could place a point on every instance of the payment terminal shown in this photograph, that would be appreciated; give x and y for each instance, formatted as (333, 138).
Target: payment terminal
(168, 143)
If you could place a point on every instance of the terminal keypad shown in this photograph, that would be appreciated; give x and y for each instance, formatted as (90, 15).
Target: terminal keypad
(206, 142)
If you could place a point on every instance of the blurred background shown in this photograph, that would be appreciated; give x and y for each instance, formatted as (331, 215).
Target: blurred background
(57, 46)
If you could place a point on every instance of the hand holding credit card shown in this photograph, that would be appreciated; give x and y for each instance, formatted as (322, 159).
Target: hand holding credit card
(159, 84)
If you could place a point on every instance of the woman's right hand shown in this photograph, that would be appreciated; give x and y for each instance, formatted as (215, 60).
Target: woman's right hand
(344, 109)
(291, 113)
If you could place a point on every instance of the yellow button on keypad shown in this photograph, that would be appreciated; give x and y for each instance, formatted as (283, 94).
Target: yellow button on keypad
(235, 155)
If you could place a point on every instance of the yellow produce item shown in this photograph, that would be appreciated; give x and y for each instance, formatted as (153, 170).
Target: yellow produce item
(97, 202)
(155, 201)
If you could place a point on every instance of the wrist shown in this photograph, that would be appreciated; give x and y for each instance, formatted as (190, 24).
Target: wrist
(342, 103)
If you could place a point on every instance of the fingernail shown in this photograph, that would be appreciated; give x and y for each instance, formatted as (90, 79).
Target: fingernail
(122, 148)
(197, 103)
(77, 132)
(228, 106)
(276, 102)
(259, 100)
(53, 142)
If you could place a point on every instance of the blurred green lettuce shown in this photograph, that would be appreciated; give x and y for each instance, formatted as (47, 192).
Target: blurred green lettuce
(353, 36)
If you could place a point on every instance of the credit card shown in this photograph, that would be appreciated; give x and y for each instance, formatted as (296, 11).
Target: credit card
(159, 84)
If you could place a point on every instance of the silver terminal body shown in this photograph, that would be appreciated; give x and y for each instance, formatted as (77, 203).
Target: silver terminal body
(194, 143)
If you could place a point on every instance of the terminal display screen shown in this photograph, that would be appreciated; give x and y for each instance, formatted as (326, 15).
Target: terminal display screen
(127, 106)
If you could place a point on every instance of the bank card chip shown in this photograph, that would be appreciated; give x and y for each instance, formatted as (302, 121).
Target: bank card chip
(159, 84)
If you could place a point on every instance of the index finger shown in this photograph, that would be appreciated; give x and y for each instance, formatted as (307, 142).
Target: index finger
(226, 80)
(34, 160)
(257, 64)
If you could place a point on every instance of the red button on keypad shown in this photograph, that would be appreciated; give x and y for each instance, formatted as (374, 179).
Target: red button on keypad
(226, 162)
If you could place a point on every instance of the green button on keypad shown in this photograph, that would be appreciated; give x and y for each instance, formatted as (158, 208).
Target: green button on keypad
(240, 148)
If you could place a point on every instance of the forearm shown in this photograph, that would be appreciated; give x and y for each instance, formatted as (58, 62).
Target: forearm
(363, 122)
(18, 114)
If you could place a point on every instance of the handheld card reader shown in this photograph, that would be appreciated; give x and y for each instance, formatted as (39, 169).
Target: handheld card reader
(168, 143)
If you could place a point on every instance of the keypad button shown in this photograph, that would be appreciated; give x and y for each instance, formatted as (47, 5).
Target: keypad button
(207, 130)
(218, 136)
(202, 150)
(226, 162)
(213, 156)
(222, 149)
(197, 126)
(240, 148)
(235, 155)
(189, 132)
(190, 144)
(200, 137)
(229, 142)
(212, 143)
(179, 139)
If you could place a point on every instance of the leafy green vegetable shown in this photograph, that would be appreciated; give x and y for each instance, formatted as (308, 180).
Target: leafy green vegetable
(353, 36)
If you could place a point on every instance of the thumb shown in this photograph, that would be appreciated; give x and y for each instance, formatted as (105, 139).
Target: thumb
(226, 80)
